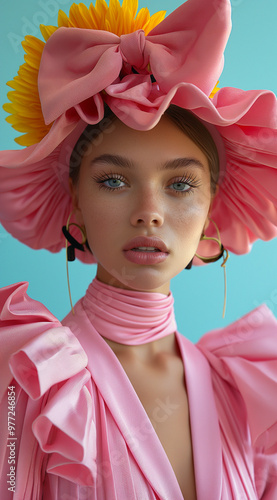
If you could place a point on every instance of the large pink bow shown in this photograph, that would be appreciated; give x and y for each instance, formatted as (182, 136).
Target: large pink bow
(77, 65)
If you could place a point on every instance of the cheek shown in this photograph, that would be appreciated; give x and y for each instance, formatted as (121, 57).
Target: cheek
(189, 222)
(194, 211)
(102, 221)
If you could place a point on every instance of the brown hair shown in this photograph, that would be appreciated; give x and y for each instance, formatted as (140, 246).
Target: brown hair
(199, 134)
(184, 119)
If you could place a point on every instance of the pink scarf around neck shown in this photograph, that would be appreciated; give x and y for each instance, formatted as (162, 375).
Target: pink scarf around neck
(129, 317)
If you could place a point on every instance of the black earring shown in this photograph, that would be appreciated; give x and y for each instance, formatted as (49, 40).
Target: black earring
(189, 266)
(73, 242)
(70, 249)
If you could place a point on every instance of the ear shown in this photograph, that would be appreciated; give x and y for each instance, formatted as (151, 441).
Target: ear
(75, 203)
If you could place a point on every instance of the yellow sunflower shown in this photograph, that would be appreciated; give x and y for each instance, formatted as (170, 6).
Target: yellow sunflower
(24, 106)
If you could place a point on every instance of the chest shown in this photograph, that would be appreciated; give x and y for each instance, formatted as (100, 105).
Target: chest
(163, 395)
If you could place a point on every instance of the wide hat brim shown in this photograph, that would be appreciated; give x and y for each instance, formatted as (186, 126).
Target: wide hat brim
(34, 194)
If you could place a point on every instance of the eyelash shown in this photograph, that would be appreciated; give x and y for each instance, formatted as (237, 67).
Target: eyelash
(190, 180)
(101, 178)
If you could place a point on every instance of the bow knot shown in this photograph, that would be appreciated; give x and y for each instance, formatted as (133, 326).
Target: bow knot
(78, 64)
(132, 50)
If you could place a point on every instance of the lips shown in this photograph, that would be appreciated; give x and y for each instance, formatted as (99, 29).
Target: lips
(146, 251)
(146, 244)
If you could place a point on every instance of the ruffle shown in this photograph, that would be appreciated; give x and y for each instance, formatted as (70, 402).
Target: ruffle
(244, 354)
(33, 185)
(49, 364)
(245, 208)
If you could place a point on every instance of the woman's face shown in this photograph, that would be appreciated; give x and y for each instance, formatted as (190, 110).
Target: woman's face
(144, 199)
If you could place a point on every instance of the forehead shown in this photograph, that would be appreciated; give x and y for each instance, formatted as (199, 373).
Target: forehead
(157, 146)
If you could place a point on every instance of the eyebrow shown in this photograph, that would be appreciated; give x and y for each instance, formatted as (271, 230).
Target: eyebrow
(119, 161)
(182, 162)
(122, 161)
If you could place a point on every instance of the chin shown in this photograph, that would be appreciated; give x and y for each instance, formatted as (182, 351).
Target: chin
(154, 279)
(147, 283)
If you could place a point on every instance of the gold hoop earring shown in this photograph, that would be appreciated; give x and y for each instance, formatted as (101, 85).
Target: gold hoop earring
(70, 249)
(222, 253)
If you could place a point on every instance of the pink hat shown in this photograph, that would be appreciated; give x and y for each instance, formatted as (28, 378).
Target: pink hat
(96, 57)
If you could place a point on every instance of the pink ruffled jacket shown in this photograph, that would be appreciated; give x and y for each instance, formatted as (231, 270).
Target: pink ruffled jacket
(82, 433)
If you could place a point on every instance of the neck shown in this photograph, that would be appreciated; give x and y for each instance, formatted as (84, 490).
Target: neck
(106, 278)
(145, 352)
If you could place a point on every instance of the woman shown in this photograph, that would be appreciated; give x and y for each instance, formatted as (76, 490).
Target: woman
(114, 403)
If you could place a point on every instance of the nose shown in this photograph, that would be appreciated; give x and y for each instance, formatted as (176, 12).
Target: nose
(147, 212)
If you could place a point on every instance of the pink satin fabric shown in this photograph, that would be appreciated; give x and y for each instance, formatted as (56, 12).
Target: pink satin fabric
(83, 434)
(174, 51)
(129, 317)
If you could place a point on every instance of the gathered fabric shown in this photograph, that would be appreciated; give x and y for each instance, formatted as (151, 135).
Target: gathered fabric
(127, 316)
(82, 432)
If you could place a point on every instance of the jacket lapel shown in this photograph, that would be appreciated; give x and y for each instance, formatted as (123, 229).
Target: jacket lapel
(205, 432)
(128, 413)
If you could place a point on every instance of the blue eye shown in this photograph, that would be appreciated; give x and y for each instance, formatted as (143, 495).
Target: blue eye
(181, 186)
(113, 183)
(185, 184)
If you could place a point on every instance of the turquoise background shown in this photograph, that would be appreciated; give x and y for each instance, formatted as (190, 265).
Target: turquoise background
(250, 62)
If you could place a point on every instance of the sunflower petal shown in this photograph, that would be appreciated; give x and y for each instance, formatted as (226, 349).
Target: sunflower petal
(131, 6)
(28, 74)
(30, 138)
(32, 43)
(63, 21)
(47, 31)
(215, 90)
(155, 20)
(32, 61)
(17, 121)
(94, 17)
(21, 86)
(142, 19)
(78, 15)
